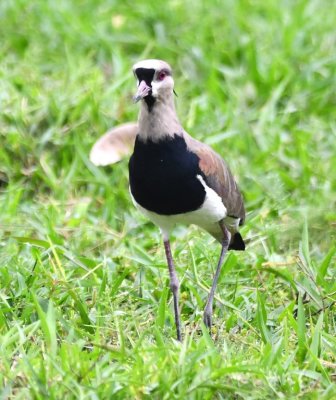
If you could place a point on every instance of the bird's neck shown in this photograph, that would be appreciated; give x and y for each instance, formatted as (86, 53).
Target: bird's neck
(158, 121)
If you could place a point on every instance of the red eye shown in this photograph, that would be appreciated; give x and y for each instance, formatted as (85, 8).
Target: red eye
(161, 76)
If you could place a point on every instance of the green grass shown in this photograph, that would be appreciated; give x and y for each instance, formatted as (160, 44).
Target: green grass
(85, 306)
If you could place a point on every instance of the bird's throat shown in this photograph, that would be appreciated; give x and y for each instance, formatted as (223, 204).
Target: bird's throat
(150, 101)
(158, 119)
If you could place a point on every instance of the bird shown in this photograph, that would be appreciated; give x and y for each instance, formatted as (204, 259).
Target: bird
(176, 179)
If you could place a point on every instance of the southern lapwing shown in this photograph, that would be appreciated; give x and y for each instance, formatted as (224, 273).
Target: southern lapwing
(175, 179)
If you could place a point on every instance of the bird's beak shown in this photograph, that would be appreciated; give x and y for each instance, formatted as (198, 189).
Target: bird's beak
(143, 90)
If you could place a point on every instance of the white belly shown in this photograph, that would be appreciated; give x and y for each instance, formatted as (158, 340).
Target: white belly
(206, 217)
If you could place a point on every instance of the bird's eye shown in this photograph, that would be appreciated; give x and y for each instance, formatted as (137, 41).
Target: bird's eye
(161, 76)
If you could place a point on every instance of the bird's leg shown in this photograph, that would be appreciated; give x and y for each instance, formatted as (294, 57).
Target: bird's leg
(225, 245)
(174, 286)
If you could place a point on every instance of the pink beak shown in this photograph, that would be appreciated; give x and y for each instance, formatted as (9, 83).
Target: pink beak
(143, 90)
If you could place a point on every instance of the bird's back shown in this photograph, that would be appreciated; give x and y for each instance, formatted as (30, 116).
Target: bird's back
(218, 177)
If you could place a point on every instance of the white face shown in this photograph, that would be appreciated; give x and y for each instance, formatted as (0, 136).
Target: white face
(162, 84)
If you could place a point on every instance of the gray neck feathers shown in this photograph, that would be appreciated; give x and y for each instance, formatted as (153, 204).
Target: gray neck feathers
(161, 121)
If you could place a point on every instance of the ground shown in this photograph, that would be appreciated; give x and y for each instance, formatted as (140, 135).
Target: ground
(85, 305)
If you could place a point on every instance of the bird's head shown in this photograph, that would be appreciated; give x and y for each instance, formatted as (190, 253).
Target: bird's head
(155, 81)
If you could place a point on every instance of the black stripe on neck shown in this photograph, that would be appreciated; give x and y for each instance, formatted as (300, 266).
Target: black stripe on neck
(150, 101)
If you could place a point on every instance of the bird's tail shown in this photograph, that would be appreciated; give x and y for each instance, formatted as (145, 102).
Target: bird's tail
(237, 242)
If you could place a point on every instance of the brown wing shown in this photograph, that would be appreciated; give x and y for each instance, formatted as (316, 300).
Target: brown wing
(219, 177)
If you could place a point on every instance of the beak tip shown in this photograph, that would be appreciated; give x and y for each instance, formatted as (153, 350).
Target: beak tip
(143, 90)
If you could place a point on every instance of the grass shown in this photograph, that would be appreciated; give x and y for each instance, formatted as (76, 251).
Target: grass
(85, 306)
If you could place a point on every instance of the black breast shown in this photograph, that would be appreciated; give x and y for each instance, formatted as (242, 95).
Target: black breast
(163, 176)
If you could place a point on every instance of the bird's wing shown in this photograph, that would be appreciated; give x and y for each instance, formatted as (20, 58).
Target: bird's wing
(218, 177)
(114, 145)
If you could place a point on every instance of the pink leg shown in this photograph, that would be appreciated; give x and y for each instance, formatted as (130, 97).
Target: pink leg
(207, 318)
(174, 286)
